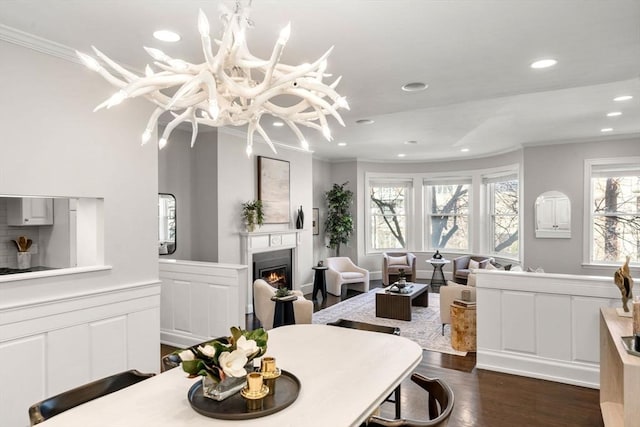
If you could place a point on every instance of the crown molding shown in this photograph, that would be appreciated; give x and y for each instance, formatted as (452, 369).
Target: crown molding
(38, 44)
(243, 134)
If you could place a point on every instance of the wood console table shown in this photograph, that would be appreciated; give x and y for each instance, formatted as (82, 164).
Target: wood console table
(619, 372)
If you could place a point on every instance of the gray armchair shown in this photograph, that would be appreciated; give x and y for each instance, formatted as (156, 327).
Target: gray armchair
(392, 262)
(461, 267)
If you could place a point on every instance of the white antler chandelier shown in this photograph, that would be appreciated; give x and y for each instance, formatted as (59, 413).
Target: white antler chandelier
(231, 88)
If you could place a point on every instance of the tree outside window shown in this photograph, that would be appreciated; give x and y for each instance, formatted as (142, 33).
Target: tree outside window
(388, 214)
(504, 224)
(615, 195)
(448, 216)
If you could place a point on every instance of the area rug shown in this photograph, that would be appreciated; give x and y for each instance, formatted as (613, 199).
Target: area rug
(424, 328)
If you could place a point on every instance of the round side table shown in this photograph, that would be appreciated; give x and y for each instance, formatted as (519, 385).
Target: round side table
(437, 279)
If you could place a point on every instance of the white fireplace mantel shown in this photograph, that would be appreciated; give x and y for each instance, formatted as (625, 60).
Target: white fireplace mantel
(268, 241)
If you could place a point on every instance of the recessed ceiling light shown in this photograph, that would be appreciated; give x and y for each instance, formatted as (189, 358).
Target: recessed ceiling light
(401, 155)
(623, 98)
(614, 114)
(166, 36)
(342, 144)
(414, 87)
(411, 142)
(606, 129)
(544, 63)
(278, 124)
(364, 121)
(464, 150)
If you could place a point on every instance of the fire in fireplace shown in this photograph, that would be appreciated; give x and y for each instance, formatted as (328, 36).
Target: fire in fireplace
(273, 267)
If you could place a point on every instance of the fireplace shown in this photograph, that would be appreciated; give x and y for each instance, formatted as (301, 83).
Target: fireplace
(274, 268)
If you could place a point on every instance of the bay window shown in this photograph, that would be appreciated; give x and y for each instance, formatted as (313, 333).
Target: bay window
(388, 205)
(447, 214)
(503, 200)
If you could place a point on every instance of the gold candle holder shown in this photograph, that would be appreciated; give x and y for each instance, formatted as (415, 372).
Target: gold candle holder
(255, 391)
(270, 373)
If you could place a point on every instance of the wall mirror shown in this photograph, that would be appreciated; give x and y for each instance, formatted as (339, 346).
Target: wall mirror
(166, 223)
(553, 216)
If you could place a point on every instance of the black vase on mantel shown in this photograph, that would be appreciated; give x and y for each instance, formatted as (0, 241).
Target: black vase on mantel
(300, 220)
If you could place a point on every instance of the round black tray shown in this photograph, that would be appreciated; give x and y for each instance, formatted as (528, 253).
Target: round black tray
(235, 407)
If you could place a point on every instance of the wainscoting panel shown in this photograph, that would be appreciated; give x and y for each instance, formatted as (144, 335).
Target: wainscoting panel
(553, 313)
(64, 372)
(542, 325)
(201, 300)
(518, 322)
(22, 379)
(73, 340)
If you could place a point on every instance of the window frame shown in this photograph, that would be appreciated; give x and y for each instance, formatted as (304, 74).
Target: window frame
(589, 216)
(431, 181)
(488, 186)
(409, 210)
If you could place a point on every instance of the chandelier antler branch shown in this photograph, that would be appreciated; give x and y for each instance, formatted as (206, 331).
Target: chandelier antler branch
(221, 90)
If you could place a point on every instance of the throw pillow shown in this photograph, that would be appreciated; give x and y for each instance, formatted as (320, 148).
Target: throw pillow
(491, 267)
(398, 260)
(473, 264)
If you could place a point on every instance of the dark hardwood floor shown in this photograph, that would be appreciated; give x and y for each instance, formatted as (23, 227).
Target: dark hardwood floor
(486, 398)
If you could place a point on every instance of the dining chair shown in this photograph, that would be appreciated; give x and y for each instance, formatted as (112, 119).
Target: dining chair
(440, 405)
(55, 405)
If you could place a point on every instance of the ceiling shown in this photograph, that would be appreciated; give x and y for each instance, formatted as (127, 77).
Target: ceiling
(474, 55)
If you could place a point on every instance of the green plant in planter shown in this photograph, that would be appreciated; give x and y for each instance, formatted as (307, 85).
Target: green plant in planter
(339, 223)
(252, 214)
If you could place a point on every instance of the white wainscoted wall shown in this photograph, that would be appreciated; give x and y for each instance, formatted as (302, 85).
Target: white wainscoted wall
(200, 300)
(542, 325)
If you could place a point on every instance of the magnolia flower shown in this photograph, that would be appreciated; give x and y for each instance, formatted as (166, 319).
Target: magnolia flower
(207, 350)
(232, 364)
(249, 347)
(186, 355)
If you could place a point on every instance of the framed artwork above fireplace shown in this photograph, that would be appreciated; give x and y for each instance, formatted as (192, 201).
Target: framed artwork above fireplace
(273, 189)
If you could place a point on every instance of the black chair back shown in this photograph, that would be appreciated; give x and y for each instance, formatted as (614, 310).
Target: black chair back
(55, 405)
(439, 405)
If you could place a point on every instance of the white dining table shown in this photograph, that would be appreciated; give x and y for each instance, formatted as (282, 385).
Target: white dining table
(345, 374)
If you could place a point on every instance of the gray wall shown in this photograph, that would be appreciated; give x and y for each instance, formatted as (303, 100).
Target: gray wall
(549, 167)
(561, 168)
(321, 184)
(53, 144)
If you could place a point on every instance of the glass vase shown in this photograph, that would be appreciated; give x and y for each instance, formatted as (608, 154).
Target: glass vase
(223, 389)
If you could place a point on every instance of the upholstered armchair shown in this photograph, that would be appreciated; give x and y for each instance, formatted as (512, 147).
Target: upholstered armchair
(448, 294)
(462, 265)
(342, 272)
(264, 308)
(392, 262)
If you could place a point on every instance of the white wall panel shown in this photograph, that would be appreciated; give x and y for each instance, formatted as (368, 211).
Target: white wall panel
(182, 304)
(108, 346)
(22, 374)
(553, 313)
(142, 346)
(542, 325)
(67, 361)
(518, 322)
(585, 328)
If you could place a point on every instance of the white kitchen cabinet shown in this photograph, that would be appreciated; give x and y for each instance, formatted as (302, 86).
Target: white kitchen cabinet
(29, 211)
(553, 215)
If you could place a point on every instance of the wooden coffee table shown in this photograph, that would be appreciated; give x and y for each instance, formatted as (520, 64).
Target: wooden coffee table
(394, 305)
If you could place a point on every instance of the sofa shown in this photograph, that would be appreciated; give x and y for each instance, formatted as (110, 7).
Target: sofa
(392, 262)
(464, 264)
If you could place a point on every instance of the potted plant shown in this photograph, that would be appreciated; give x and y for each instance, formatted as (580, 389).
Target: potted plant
(252, 214)
(339, 223)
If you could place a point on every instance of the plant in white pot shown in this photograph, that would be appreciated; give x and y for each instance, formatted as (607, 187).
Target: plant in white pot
(252, 214)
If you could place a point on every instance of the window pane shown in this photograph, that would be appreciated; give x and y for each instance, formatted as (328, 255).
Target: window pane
(388, 216)
(449, 232)
(615, 192)
(505, 219)
(449, 199)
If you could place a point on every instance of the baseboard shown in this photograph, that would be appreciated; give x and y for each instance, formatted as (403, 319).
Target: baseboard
(179, 340)
(574, 373)
(306, 288)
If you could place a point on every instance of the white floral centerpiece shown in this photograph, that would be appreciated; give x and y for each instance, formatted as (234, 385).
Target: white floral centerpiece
(223, 365)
